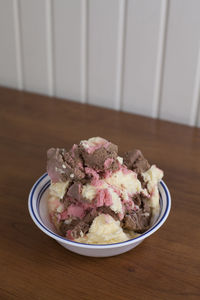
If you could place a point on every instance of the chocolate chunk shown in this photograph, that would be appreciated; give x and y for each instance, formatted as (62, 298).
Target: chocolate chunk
(80, 227)
(135, 161)
(97, 159)
(108, 211)
(56, 167)
(67, 201)
(89, 217)
(64, 227)
(137, 199)
(76, 227)
(141, 179)
(136, 221)
(145, 205)
(74, 163)
(142, 202)
(75, 191)
(63, 165)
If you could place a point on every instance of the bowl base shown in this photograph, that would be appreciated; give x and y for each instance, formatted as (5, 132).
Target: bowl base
(100, 252)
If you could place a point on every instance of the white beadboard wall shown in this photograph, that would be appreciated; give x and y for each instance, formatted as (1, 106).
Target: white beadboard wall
(138, 56)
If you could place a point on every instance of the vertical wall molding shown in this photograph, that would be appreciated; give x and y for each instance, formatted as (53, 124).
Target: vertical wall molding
(49, 47)
(143, 22)
(120, 54)
(160, 59)
(18, 44)
(35, 34)
(196, 95)
(67, 40)
(84, 49)
(103, 18)
(181, 59)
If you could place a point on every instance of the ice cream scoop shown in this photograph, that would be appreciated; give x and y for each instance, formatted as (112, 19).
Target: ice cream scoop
(92, 185)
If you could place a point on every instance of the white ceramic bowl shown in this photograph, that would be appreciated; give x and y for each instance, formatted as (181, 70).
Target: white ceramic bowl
(37, 204)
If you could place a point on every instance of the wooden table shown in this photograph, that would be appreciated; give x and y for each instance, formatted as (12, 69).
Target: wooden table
(34, 266)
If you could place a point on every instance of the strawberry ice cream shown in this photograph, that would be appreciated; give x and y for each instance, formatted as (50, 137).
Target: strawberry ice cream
(99, 197)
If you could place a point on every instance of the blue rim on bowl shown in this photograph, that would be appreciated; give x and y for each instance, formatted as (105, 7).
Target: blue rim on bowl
(34, 203)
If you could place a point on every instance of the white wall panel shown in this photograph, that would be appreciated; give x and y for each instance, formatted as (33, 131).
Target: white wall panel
(181, 57)
(141, 51)
(8, 59)
(102, 52)
(67, 48)
(33, 32)
(135, 55)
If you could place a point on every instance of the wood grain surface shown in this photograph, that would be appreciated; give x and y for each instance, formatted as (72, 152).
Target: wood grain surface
(33, 266)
